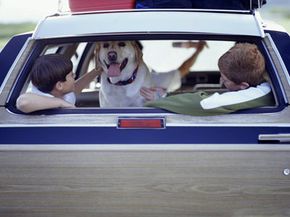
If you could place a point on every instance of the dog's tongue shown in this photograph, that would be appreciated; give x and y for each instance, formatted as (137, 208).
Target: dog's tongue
(114, 70)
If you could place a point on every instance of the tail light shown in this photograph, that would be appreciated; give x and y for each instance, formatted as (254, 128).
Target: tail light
(141, 123)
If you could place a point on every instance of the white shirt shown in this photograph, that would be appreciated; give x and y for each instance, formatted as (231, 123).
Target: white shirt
(234, 97)
(69, 97)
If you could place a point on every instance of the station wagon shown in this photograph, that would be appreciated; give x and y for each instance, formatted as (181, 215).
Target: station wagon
(144, 161)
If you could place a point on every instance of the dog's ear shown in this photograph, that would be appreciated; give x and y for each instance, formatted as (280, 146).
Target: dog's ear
(138, 50)
(96, 52)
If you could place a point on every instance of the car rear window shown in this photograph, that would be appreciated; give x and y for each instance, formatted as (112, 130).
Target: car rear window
(160, 56)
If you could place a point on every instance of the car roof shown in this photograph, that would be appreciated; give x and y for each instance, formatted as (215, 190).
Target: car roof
(150, 21)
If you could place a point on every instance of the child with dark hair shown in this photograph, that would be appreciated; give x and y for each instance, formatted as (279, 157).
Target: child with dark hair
(53, 84)
(242, 70)
(51, 69)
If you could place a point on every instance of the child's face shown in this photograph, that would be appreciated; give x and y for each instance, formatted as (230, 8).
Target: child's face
(69, 83)
(230, 85)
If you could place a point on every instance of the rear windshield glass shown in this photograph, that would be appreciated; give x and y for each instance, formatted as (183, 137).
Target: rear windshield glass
(128, 74)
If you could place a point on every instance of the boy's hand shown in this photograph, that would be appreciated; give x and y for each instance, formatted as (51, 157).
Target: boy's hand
(200, 46)
(98, 70)
(153, 93)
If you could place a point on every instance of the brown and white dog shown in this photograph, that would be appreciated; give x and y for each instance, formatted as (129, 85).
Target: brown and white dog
(124, 73)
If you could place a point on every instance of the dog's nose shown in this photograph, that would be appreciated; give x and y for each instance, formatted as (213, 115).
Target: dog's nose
(112, 55)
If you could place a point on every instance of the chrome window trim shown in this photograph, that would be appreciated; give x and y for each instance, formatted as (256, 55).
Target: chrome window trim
(285, 71)
(115, 125)
(145, 147)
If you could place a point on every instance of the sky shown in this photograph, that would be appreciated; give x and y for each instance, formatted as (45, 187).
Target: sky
(26, 10)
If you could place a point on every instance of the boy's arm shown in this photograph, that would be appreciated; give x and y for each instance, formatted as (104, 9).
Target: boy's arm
(185, 66)
(30, 102)
(84, 81)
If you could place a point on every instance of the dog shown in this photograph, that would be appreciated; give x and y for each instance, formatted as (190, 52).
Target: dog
(124, 73)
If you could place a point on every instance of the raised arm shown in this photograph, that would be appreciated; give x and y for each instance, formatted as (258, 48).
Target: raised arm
(84, 81)
(185, 66)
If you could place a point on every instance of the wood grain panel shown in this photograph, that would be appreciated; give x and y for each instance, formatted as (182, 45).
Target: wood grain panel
(144, 183)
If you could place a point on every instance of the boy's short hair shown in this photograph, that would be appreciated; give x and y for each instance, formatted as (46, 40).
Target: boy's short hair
(48, 70)
(243, 63)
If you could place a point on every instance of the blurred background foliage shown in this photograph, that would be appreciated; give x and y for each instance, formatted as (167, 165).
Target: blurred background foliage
(277, 11)
(7, 30)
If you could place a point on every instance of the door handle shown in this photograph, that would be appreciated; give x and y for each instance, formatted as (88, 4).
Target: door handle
(278, 138)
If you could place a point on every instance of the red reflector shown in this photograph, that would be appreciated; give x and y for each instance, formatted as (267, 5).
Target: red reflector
(141, 123)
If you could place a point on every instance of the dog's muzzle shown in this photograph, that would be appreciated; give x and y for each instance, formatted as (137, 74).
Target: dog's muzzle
(114, 68)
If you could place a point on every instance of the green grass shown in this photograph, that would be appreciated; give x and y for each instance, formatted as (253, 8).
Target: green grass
(283, 17)
(284, 12)
(279, 15)
(10, 29)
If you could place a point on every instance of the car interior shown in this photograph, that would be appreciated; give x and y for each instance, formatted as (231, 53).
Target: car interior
(159, 55)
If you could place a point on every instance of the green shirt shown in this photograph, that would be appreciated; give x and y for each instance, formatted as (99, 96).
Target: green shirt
(189, 104)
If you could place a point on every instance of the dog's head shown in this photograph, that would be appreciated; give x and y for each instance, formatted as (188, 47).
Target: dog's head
(117, 57)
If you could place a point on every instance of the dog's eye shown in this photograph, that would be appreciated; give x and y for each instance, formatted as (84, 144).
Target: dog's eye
(122, 44)
(106, 45)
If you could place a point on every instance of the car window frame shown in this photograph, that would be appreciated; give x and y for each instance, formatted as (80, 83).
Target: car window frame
(10, 52)
(40, 45)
